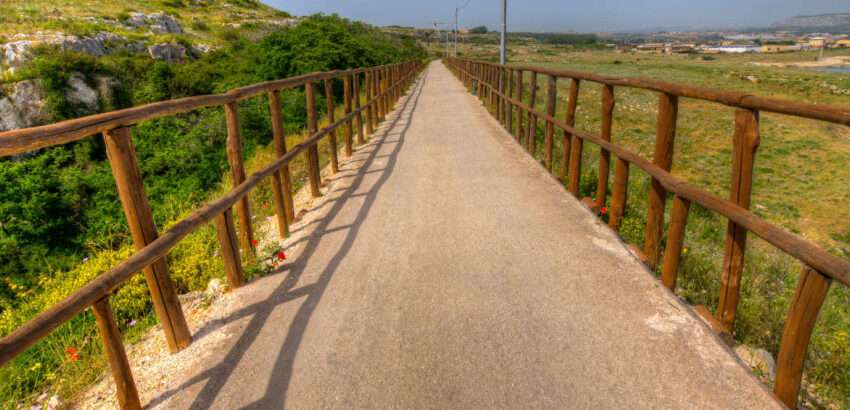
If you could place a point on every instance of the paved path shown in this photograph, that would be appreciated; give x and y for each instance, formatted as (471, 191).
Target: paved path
(446, 269)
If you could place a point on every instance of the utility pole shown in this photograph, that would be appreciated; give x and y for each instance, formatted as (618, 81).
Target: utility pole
(504, 32)
(456, 32)
(448, 28)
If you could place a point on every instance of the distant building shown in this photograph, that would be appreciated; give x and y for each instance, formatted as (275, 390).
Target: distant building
(463, 31)
(681, 48)
(774, 48)
(842, 43)
(743, 48)
(651, 47)
(817, 42)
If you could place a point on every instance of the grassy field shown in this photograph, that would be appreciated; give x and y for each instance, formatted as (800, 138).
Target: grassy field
(800, 183)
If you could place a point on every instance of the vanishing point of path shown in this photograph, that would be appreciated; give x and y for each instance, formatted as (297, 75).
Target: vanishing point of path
(444, 268)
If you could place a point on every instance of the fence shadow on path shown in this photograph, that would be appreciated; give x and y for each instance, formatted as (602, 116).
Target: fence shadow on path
(216, 377)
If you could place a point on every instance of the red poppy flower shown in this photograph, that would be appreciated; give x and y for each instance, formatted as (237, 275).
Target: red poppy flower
(265, 206)
(73, 357)
(281, 256)
(599, 201)
(254, 241)
(604, 209)
(70, 350)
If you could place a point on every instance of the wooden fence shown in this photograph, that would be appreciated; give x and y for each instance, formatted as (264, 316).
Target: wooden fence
(500, 89)
(383, 86)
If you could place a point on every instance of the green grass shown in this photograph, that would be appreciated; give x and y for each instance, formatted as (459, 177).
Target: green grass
(799, 182)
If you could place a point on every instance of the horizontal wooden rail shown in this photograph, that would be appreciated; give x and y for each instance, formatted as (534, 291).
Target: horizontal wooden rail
(824, 112)
(98, 289)
(26, 139)
(820, 267)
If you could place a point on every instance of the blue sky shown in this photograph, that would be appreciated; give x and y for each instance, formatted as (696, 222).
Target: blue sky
(567, 15)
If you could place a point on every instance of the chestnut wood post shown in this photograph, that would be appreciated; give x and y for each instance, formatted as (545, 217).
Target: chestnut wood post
(134, 200)
(668, 108)
(551, 95)
(494, 91)
(329, 96)
(482, 81)
(369, 129)
(569, 120)
(313, 150)
(509, 108)
(675, 239)
(373, 86)
(230, 249)
(519, 111)
(386, 99)
(501, 101)
(531, 123)
(812, 287)
(349, 141)
(128, 396)
(481, 89)
(359, 116)
(619, 194)
(237, 170)
(745, 143)
(376, 86)
(604, 155)
(280, 150)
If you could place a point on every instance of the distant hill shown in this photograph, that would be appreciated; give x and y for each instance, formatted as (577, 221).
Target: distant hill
(815, 21)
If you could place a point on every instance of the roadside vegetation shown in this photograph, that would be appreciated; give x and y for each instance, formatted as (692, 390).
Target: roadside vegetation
(61, 222)
(800, 181)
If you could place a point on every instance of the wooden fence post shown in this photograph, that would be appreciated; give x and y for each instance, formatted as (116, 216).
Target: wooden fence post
(569, 120)
(509, 108)
(500, 108)
(237, 170)
(229, 249)
(373, 113)
(551, 96)
(519, 110)
(531, 123)
(604, 155)
(280, 150)
(359, 116)
(313, 151)
(384, 88)
(128, 396)
(369, 129)
(812, 287)
(675, 239)
(134, 200)
(376, 86)
(668, 108)
(619, 194)
(329, 96)
(745, 143)
(349, 140)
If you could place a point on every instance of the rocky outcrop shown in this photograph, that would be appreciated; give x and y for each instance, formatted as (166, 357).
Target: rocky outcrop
(156, 22)
(23, 107)
(80, 94)
(17, 52)
(170, 53)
